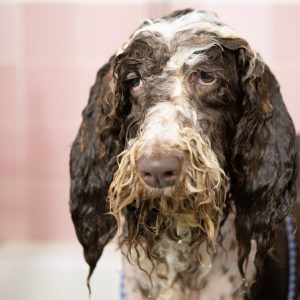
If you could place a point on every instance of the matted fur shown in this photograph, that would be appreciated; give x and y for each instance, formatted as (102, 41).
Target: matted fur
(196, 201)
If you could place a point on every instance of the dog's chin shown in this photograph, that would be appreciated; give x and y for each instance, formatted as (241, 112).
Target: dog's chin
(159, 192)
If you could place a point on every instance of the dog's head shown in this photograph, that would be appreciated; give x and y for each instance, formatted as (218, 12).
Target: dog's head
(183, 124)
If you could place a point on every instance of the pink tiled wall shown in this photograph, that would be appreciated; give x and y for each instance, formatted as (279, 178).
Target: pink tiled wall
(49, 55)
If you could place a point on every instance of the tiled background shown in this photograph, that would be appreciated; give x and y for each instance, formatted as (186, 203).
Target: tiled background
(49, 54)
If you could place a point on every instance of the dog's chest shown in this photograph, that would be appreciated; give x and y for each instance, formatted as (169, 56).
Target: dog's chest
(177, 273)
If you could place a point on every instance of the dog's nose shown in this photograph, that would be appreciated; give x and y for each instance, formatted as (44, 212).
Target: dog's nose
(159, 172)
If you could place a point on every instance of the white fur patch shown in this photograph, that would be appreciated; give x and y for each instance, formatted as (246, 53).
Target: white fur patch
(193, 21)
(189, 56)
(206, 21)
(162, 123)
(178, 87)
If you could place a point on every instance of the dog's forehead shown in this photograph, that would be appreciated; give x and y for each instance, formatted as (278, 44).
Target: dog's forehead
(189, 24)
(193, 21)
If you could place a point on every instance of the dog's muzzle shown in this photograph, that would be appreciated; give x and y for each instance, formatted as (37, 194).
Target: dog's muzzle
(171, 163)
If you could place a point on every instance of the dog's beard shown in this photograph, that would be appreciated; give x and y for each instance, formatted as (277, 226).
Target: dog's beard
(195, 202)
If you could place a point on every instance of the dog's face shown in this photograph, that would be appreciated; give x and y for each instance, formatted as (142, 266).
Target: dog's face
(184, 90)
(184, 124)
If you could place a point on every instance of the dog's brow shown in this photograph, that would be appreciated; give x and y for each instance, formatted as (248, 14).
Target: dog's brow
(197, 52)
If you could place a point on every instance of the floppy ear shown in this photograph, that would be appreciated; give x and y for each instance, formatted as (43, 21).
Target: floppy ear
(92, 164)
(263, 159)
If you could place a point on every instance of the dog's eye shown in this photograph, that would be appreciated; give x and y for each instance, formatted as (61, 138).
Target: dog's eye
(206, 78)
(134, 83)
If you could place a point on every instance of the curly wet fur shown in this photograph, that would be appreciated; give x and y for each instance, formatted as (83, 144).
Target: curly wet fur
(197, 201)
(245, 121)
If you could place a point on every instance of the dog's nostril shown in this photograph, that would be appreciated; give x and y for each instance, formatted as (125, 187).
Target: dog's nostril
(169, 174)
(159, 172)
(146, 175)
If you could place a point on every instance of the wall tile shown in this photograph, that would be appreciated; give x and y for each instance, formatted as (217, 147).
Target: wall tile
(9, 32)
(52, 95)
(109, 26)
(9, 161)
(50, 30)
(8, 91)
(48, 211)
(285, 28)
(13, 216)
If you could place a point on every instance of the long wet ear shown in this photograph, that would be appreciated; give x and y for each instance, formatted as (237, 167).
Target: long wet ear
(92, 164)
(263, 158)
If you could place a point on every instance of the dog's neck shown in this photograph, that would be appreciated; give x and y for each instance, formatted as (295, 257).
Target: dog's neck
(175, 266)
